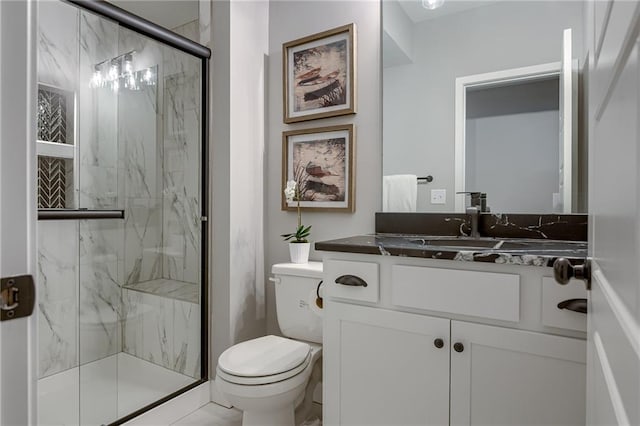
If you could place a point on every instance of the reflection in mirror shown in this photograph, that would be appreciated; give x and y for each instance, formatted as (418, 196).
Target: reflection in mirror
(483, 96)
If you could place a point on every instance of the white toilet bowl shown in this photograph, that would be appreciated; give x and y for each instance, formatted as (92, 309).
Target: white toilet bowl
(269, 377)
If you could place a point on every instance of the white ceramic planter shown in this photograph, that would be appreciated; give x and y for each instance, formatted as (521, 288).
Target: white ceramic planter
(299, 252)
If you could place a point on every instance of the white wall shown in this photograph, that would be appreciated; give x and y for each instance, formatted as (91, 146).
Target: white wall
(419, 98)
(239, 32)
(289, 20)
(397, 35)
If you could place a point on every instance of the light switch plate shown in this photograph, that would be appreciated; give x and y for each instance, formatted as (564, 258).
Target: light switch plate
(438, 196)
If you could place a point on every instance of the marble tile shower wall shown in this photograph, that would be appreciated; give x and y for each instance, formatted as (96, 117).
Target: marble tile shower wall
(133, 157)
(58, 269)
(57, 296)
(162, 193)
(101, 254)
(181, 207)
(141, 187)
(79, 263)
(163, 331)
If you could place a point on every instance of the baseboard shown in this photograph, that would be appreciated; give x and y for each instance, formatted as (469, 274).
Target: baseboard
(175, 409)
(216, 396)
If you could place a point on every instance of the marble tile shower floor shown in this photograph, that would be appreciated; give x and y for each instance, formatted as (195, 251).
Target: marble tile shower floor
(103, 391)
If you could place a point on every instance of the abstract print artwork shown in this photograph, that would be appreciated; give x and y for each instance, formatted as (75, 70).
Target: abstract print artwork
(319, 75)
(321, 162)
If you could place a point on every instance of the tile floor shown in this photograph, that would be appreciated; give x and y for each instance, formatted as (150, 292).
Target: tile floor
(216, 415)
(212, 415)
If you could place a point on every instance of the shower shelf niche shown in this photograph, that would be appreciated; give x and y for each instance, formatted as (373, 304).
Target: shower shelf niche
(56, 148)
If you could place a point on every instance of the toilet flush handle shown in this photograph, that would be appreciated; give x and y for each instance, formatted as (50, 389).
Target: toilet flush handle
(319, 301)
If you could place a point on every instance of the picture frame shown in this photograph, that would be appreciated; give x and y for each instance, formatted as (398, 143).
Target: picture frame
(321, 161)
(319, 75)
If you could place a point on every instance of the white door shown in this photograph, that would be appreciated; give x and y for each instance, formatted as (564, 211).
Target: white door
(613, 365)
(18, 372)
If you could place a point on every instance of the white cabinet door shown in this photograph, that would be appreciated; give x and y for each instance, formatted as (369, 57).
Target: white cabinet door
(383, 367)
(512, 377)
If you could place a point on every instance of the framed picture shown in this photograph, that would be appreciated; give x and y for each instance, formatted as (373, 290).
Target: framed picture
(320, 160)
(319, 75)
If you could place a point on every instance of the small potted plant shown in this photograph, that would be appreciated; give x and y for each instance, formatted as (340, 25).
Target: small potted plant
(298, 243)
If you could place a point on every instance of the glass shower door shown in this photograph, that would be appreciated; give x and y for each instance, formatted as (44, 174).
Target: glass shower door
(140, 335)
(121, 308)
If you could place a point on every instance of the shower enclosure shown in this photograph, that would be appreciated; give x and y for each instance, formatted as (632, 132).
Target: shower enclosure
(122, 219)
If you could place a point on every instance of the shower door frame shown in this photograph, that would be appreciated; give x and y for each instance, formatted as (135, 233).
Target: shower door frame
(18, 89)
(156, 32)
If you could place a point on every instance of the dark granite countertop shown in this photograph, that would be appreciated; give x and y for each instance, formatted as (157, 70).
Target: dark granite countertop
(511, 251)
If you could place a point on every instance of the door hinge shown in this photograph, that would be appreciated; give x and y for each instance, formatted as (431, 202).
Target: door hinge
(17, 297)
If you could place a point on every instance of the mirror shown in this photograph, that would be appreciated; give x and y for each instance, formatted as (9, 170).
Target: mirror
(483, 96)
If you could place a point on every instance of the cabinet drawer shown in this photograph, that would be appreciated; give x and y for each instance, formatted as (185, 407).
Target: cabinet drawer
(365, 271)
(479, 294)
(554, 293)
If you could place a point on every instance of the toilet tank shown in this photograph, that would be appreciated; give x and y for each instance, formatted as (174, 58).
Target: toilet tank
(296, 285)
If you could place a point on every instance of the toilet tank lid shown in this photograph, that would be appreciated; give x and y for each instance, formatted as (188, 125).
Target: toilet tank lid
(310, 270)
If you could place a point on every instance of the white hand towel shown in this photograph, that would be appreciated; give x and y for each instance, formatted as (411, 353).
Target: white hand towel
(399, 193)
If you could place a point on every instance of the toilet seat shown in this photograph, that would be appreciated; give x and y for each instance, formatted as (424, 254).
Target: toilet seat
(264, 360)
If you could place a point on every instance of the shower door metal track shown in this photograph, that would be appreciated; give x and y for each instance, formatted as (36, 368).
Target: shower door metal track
(147, 28)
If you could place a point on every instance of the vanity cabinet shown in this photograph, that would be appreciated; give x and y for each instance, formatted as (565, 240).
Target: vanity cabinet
(383, 368)
(396, 358)
(515, 377)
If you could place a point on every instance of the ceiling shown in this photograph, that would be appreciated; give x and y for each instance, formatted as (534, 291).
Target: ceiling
(167, 13)
(417, 13)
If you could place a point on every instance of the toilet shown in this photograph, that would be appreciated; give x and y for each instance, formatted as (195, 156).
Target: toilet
(272, 378)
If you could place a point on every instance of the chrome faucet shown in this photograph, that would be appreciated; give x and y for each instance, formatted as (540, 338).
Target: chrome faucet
(474, 213)
(478, 205)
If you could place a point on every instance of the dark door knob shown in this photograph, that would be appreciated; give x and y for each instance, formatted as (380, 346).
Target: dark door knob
(458, 347)
(563, 271)
(439, 343)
